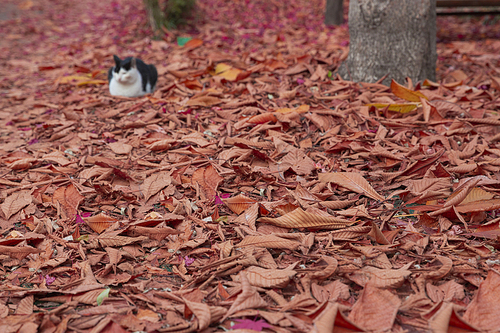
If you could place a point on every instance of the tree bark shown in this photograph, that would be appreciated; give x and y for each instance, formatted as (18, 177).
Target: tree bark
(391, 37)
(334, 14)
(155, 15)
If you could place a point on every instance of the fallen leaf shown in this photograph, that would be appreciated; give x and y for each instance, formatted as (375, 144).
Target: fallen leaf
(406, 94)
(352, 181)
(15, 202)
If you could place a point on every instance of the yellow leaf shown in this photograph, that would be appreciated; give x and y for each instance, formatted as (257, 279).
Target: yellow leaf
(221, 68)
(401, 108)
(230, 75)
(303, 108)
(227, 72)
(26, 5)
(83, 83)
(405, 93)
(73, 78)
(429, 83)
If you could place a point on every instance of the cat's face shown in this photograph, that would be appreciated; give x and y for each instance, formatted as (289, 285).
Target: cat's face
(125, 71)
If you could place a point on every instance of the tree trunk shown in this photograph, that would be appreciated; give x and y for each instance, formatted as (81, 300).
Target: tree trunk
(334, 14)
(393, 37)
(155, 15)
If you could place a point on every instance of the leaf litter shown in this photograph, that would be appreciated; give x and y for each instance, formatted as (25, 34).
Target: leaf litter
(254, 190)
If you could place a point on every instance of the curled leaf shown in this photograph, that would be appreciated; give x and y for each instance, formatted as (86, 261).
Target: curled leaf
(401, 108)
(352, 181)
(405, 93)
(301, 219)
(104, 294)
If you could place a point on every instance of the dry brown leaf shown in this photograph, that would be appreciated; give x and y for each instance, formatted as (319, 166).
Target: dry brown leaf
(332, 292)
(111, 240)
(352, 181)
(336, 204)
(299, 162)
(330, 268)
(69, 198)
(15, 202)
(202, 313)
(248, 299)
(253, 108)
(447, 316)
(208, 179)
(332, 318)
(269, 241)
(479, 206)
(477, 194)
(269, 278)
(158, 233)
(196, 138)
(100, 222)
(204, 101)
(484, 310)
(262, 118)
(155, 183)
(446, 291)
(120, 148)
(444, 270)
(148, 315)
(160, 145)
(301, 219)
(239, 203)
(18, 252)
(461, 193)
(249, 216)
(25, 306)
(89, 297)
(381, 278)
(376, 309)
(94, 171)
(56, 157)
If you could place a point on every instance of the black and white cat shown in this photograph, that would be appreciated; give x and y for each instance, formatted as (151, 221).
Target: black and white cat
(131, 77)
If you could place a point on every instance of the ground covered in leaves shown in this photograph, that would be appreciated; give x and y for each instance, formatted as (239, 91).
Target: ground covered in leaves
(254, 190)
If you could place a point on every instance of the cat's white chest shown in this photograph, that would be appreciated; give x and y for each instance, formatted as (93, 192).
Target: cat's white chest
(127, 90)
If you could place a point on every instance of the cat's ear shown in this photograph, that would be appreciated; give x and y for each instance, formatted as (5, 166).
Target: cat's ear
(134, 63)
(117, 60)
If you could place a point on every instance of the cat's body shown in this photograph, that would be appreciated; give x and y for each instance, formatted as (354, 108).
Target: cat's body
(131, 77)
